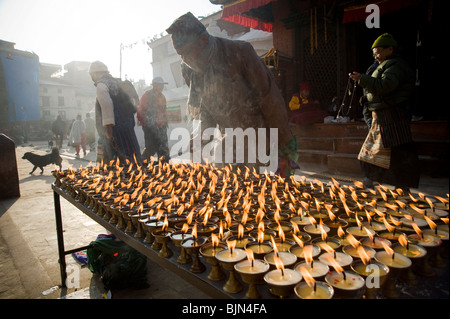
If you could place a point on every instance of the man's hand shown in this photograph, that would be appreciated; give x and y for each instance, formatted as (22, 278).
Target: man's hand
(109, 131)
(355, 76)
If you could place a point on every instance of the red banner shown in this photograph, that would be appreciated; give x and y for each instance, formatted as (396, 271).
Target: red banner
(235, 12)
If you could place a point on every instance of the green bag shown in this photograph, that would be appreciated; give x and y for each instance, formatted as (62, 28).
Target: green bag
(120, 265)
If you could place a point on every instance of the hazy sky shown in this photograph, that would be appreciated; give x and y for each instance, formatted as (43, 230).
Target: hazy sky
(61, 31)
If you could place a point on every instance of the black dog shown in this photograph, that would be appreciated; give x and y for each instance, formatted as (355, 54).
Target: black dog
(43, 160)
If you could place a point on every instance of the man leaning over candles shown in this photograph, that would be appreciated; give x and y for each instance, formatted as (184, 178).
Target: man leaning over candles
(231, 87)
(388, 154)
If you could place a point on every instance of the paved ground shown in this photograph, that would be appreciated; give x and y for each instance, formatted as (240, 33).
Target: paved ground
(29, 267)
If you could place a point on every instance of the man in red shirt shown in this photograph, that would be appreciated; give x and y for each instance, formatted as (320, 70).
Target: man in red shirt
(151, 114)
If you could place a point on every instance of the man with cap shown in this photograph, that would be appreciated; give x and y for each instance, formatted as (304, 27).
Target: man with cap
(388, 154)
(229, 85)
(152, 116)
(115, 122)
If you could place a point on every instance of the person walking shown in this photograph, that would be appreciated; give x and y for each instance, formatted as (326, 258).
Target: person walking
(114, 117)
(77, 136)
(152, 116)
(59, 129)
(230, 87)
(90, 132)
(389, 154)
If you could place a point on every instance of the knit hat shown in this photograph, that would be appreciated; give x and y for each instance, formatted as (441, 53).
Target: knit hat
(185, 29)
(98, 66)
(385, 40)
(304, 86)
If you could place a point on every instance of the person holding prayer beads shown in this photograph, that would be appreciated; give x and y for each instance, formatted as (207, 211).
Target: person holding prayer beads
(389, 154)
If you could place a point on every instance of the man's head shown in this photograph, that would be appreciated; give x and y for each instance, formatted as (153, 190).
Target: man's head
(304, 89)
(383, 47)
(189, 37)
(158, 83)
(97, 69)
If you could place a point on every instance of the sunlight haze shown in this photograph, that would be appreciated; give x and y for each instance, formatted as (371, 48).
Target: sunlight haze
(61, 31)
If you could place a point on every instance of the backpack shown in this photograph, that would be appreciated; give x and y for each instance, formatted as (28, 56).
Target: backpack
(128, 97)
(119, 265)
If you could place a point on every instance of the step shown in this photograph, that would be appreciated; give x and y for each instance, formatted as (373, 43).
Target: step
(316, 143)
(422, 130)
(356, 129)
(349, 164)
(434, 148)
(313, 156)
(430, 130)
(340, 163)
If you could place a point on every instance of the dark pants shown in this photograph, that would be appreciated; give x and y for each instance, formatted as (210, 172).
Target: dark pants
(404, 171)
(124, 146)
(156, 141)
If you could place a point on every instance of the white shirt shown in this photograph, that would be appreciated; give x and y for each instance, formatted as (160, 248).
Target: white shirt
(106, 104)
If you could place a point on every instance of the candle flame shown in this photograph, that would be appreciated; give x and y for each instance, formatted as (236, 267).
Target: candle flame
(327, 248)
(353, 241)
(334, 263)
(274, 245)
(278, 262)
(340, 232)
(430, 222)
(231, 244)
(417, 229)
(308, 253)
(240, 231)
(249, 254)
(185, 228)
(417, 209)
(403, 240)
(214, 240)
(260, 236)
(298, 240)
(306, 275)
(194, 231)
(165, 223)
(388, 226)
(358, 184)
(365, 258)
(386, 247)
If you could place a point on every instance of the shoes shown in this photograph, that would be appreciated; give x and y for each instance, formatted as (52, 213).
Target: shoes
(77, 154)
(367, 182)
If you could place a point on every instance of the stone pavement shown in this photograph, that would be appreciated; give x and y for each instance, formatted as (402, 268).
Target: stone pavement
(29, 267)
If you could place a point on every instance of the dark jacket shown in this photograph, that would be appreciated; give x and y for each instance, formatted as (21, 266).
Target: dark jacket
(391, 83)
(388, 92)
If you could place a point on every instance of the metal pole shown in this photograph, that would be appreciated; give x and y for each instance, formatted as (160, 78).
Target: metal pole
(59, 234)
(121, 49)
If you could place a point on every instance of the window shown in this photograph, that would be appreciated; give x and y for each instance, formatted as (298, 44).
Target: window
(45, 100)
(60, 100)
